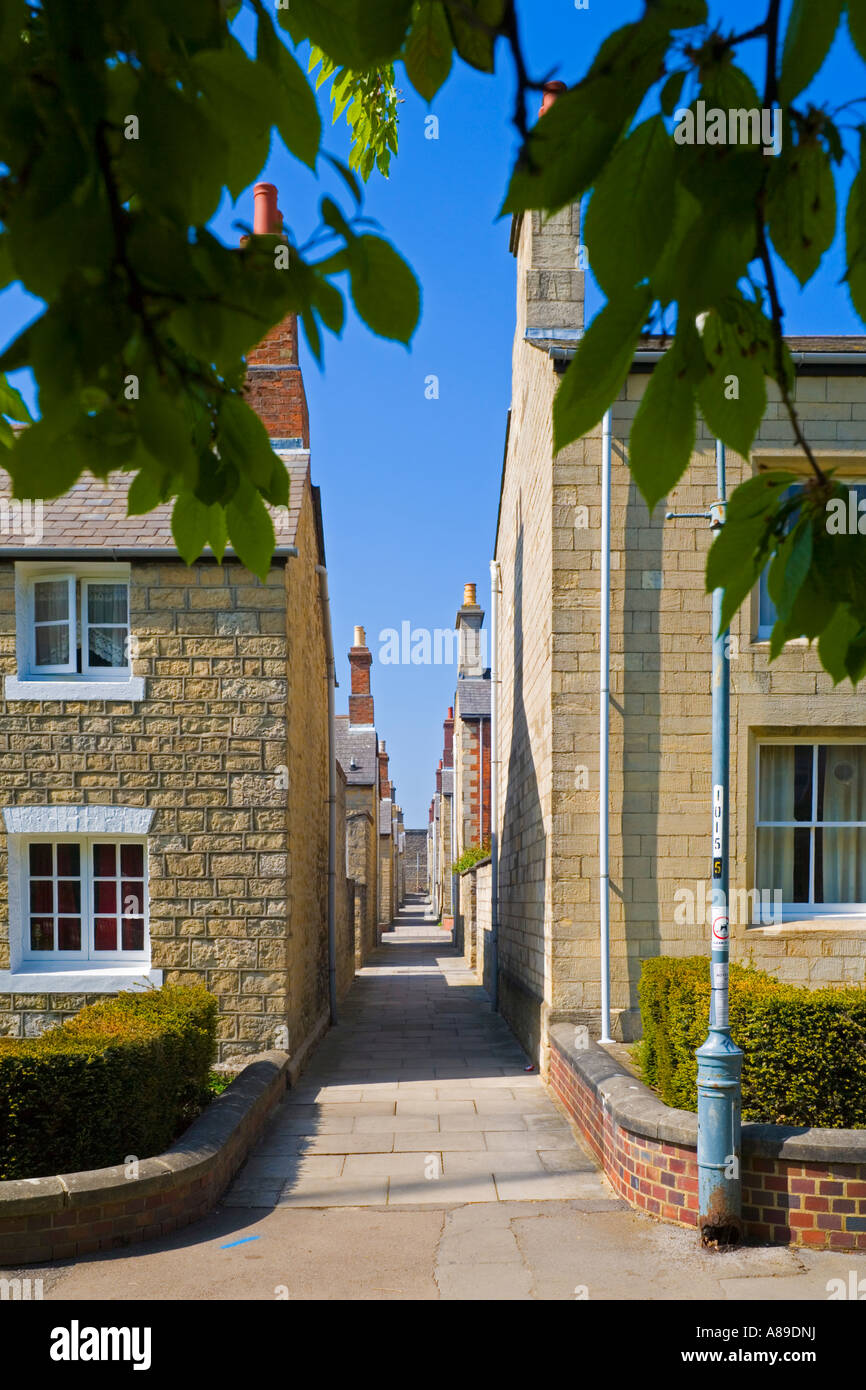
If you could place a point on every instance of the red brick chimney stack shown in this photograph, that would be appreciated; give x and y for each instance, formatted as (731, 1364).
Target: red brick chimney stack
(448, 745)
(275, 386)
(360, 699)
(384, 784)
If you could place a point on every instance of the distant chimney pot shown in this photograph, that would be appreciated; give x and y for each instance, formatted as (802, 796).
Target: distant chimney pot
(360, 637)
(381, 745)
(468, 595)
(551, 92)
(450, 711)
(267, 217)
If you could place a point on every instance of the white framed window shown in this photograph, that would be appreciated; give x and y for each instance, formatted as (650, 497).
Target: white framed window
(84, 899)
(766, 607)
(810, 826)
(73, 633)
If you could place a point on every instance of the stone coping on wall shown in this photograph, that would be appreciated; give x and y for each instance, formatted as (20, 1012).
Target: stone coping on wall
(74, 1214)
(636, 1108)
(800, 1185)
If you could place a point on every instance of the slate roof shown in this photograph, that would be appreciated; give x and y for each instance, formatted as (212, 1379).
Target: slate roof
(385, 816)
(359, 744)
(447, 781)
(91, 516)
(472, 699)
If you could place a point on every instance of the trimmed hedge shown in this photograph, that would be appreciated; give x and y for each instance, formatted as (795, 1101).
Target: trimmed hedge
(804, 1050)
(120, 1078)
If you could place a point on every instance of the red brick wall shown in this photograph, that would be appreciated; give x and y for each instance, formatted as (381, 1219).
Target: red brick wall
(819, 1205)
(275, 386)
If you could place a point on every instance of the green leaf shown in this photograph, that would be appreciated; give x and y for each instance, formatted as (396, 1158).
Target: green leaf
(385, 292)
(801, 207)
(855, 236)
(251, 530)
(297, 117)
(12, 403)
(835, 641)
(663, 431)
(632, 207)
(671, 91)
(189, 526)
(810, 32)
(217, 530)
(856, 15)
(680, 14)
(427, 56)
(243, 441)
(600, 366)
(143, 494)
(474, 38)
(247, 97)
(733, 395)
(353, 33)
(737, 556)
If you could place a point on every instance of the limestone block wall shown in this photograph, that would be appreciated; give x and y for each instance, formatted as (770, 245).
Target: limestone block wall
(362, 863)
(237, 864)
(415, 862)
(345, 897)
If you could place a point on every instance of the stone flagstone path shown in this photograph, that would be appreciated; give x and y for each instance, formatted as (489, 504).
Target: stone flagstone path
(419, 1095)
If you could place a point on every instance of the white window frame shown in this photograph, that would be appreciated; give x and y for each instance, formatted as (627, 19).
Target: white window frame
(32, 682)
(61, 668)
(795, 911)
(101, 672)
(87, 956)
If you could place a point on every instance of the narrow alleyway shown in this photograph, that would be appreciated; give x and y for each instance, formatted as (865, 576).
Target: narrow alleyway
(419, 1095)
(417, 1159)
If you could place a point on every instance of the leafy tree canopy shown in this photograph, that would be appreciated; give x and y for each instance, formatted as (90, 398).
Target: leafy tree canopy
(123, 123)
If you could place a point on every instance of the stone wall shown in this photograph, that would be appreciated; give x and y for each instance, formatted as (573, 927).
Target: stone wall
(235, 703)
(415, 862)
(362, 866)
(345, 897)
(548, 547)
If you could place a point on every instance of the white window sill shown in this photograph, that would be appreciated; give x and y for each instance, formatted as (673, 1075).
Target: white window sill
(77, 979)
(839, 921)
(77, 688)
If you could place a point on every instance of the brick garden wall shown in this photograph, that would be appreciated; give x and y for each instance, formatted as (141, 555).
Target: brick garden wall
(819, 1203)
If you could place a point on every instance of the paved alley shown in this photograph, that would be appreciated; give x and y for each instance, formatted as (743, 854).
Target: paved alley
(417, 1159)
(420, 1094)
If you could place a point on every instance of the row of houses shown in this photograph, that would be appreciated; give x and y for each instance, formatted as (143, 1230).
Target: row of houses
(530, 916)
(176, 802)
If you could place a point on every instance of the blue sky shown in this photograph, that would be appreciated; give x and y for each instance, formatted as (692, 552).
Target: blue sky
(409, 485)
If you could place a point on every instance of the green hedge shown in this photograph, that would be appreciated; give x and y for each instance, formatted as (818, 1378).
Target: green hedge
(120, 1078)
(804, 1050)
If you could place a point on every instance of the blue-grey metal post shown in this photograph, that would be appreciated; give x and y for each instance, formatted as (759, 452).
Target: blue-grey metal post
(720, 1061)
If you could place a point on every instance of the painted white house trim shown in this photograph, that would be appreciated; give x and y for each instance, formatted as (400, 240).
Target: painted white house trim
(98, 980)
(77, 820)
(73, 689)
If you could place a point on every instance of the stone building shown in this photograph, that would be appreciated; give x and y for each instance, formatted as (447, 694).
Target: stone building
(164, 756)
(415, 862)
(798, 747)
(357, 754)
(471, 728)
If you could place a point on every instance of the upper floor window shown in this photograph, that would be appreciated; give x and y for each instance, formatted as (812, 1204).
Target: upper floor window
(77, 625)
(766, 607)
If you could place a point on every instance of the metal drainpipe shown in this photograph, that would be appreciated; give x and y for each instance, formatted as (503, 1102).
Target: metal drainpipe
(604, 735)
(495, 592)
(332, 796)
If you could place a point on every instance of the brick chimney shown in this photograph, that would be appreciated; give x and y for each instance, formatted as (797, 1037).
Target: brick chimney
(439, 777)
(275, 386)
(360, 699)
(448, 744)
(384, 784)
(470, 616)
